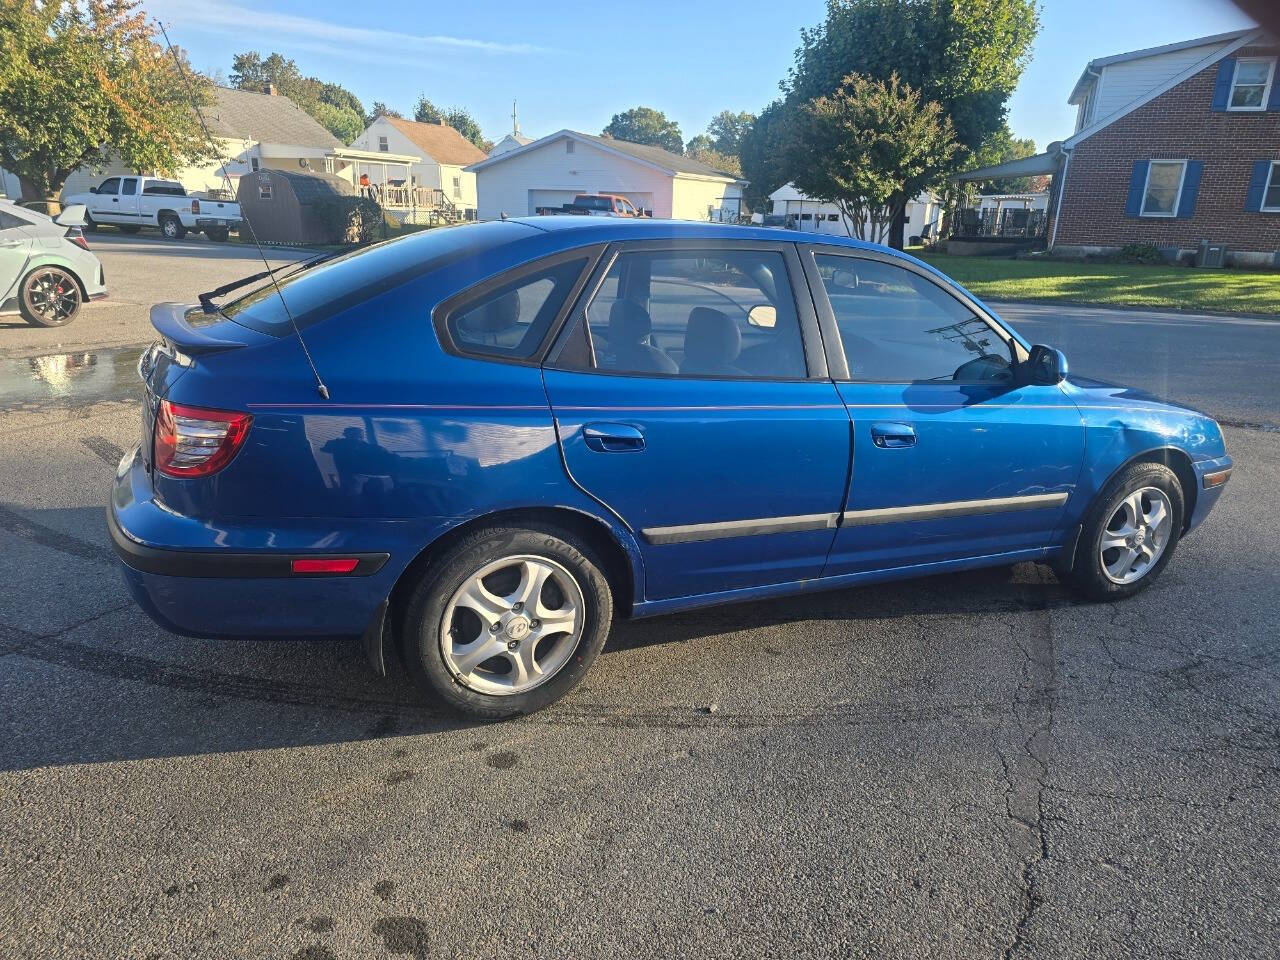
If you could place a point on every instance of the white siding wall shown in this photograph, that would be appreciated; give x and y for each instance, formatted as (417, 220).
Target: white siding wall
(1124, 82)
(504, 187)
(426, 171)
(692, 199)
(787, 201)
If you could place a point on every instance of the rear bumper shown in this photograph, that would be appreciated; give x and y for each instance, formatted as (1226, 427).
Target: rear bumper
(1208, 471)
(200, 579)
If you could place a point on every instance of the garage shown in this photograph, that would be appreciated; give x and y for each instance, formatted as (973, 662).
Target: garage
(552, 171)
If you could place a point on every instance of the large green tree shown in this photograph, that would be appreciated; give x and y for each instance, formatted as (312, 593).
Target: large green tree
(763, 151)
(333, 106)
(727, 129)
(965, 55)
(84, 83)
(868, 147)
(380, 109)
(648, 126)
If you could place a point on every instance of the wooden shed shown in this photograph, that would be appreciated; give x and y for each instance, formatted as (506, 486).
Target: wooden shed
(286, 207)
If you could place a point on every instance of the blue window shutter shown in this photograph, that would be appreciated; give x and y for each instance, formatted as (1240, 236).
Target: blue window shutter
(1190, 187)
(1222, 87)
(1137, 182)
(1257, 184)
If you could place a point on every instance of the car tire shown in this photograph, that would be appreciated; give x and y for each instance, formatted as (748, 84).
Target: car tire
(49, 297)
(449, 624)
(90, 225)
(130, 228)
(1129, 533)
(172, 227)
(218, 234)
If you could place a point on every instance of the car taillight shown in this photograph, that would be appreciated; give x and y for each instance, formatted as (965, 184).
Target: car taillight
(76, 236)
(195, 206)
(194, 441)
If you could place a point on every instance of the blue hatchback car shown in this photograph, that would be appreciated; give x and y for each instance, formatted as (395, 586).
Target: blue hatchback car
(529, 427)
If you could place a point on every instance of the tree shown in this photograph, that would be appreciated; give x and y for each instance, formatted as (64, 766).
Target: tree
(648, 126)
(868, 148)
(424, 111)
(333, 106)
(727, 129)
(380, 109)
(965, 56)
(763, 150)
(80, 83)
(700, 148)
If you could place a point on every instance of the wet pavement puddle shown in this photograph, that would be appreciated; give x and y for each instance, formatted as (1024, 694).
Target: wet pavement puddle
(69, 379)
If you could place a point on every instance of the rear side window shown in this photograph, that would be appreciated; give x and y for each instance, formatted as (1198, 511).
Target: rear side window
(130, 186)
(8, 221)
(510, 320)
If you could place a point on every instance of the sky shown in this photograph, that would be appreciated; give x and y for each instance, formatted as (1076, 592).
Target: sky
(573, 65)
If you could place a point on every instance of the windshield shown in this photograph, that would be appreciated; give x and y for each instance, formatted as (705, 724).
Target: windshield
(332, 286)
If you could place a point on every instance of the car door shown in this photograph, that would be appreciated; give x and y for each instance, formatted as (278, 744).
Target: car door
(952, 457)
(127, 208)
(15, 251)
(104, 204)
(690, 396)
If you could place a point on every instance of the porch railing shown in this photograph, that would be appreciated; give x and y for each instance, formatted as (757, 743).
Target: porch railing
(1012, 224)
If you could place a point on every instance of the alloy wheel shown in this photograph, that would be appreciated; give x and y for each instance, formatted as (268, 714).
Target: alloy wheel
(512, 625)
(53, 296)
(1136, 535)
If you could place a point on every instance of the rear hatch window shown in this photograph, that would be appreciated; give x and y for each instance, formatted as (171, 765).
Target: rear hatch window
(326, 289)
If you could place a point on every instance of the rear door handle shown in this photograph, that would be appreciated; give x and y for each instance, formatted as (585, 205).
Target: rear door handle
(613, 437)
(892, 436)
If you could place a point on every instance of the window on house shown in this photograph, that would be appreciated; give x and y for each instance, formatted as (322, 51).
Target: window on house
(569, 145)
(253, 163)
(382, 145)
(806, 216)
(833, 217)
(1251, 85)
(264, 191)
(1271, 195)
(457, 188)
(1163, 190)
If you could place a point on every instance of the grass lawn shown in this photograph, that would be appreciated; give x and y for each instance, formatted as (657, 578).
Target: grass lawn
(1114, 285)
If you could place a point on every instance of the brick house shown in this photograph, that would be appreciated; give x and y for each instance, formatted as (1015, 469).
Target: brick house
(1173, 146)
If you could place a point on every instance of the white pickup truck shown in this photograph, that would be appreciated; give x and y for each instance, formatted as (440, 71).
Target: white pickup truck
(134, 202)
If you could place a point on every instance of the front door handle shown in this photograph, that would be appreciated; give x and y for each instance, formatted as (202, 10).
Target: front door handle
(891, 436)
(613, 437)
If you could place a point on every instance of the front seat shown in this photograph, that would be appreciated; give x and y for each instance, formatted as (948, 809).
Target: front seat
(629, 329)
(711, 344)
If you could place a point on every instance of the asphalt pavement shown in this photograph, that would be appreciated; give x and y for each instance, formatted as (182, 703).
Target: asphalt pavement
(974, 765)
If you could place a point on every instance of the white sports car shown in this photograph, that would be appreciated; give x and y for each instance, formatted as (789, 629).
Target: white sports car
(47, 270)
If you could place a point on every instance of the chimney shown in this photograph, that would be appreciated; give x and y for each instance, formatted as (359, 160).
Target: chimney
(271, 89)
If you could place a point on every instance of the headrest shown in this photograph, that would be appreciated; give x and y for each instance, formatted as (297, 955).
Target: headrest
(712, 337)
(495, 316)
(628, 322)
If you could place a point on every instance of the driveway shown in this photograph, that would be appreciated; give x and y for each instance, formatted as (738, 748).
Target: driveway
(974, 765)
(141, 270)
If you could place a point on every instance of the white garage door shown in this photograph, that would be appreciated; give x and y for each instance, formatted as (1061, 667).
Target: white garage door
(550, 198)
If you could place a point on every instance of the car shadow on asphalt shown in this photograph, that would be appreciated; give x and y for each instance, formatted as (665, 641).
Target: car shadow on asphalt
(89, 679)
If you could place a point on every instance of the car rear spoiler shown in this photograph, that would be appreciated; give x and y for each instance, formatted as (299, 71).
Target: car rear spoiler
(170, 321)
(72, 215)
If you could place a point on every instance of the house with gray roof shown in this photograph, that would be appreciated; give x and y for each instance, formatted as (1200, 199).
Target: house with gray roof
(252, 130)
(553, 170)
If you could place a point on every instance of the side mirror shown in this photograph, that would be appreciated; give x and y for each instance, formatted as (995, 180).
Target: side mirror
(1046, 365)
(763, 315)
(93, 189)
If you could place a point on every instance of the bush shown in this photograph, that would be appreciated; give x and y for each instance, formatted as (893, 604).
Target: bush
(1146, 253)
(349, 219)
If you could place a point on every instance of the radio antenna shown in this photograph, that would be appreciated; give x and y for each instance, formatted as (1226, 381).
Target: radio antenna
(245, 222)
